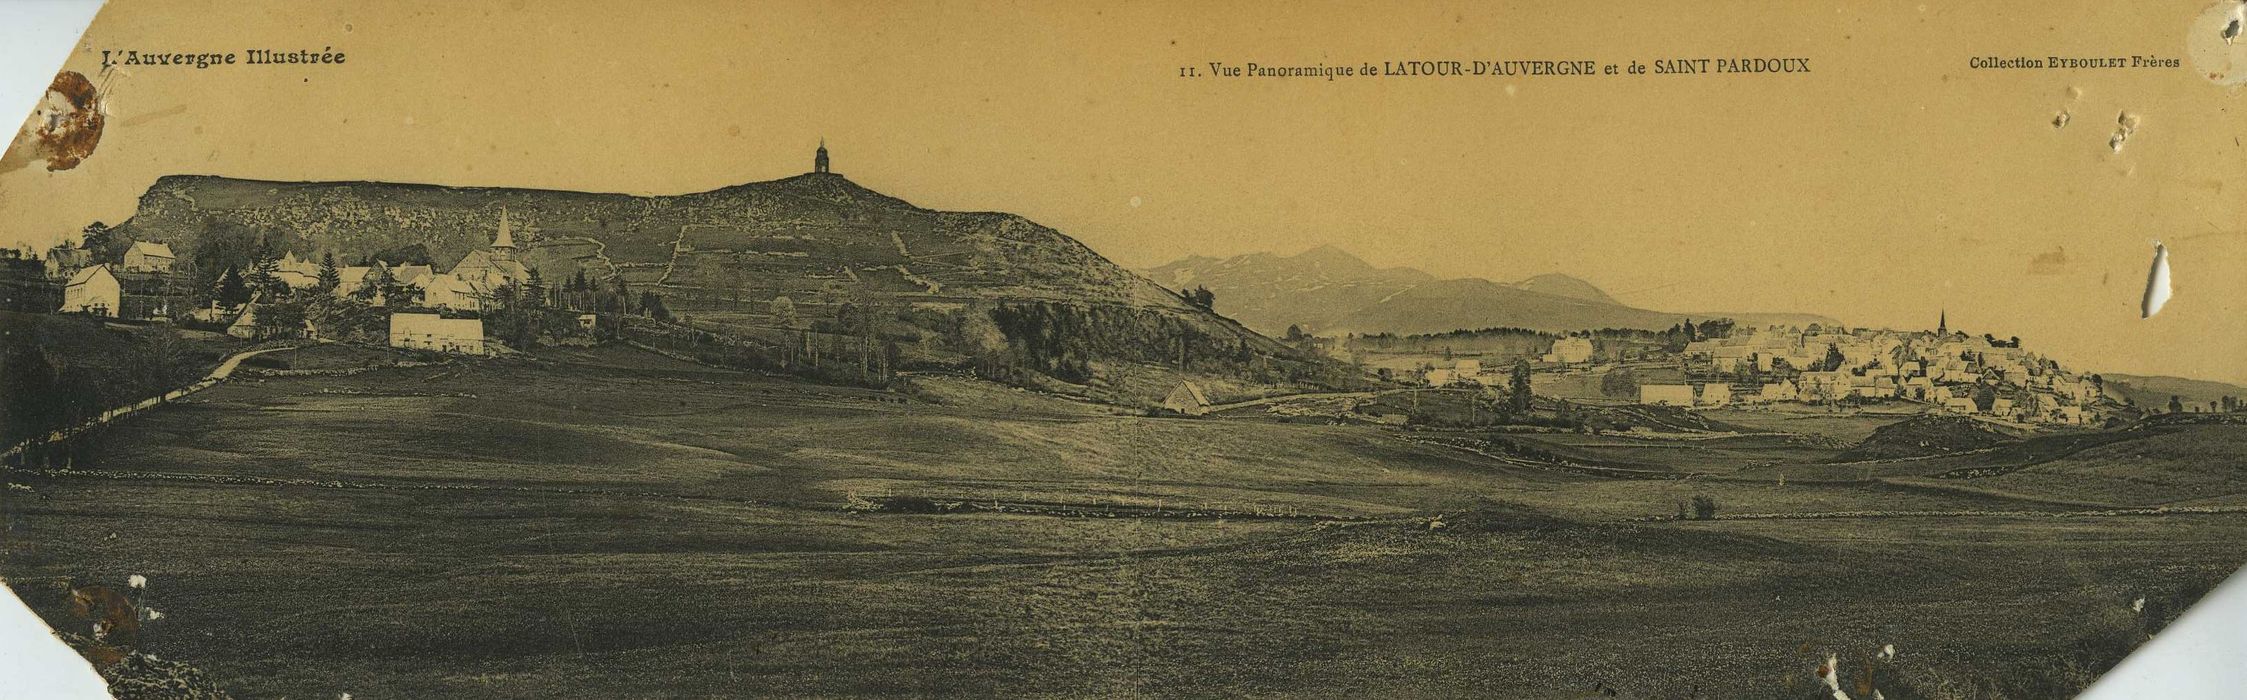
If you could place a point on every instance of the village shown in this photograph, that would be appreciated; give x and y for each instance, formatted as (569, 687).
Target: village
(417, 307)
(1942, 369)
(405, 305)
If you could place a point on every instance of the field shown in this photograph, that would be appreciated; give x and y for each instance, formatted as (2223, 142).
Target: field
(599, 522)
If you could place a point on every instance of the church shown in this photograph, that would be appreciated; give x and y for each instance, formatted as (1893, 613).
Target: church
(494, 267)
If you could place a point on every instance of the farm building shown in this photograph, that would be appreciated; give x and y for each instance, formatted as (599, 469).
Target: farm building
(94, 290)
(148, 257)
(1188, 399)
(433, 332)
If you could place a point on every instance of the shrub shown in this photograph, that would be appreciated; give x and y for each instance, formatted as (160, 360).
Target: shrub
(1704, 508)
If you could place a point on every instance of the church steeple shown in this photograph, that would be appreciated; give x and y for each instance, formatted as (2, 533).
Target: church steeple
(503, 245)
(819, 160)
(1943, 323)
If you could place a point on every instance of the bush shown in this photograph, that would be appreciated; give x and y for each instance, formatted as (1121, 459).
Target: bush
(1704, 508)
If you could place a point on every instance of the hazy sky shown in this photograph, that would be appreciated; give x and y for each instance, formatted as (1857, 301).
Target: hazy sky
(1889, 183)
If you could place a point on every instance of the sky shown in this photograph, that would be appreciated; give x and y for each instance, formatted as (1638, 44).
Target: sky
(1891, 183)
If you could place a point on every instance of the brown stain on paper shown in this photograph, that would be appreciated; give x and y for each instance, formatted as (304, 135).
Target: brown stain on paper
(67, 138)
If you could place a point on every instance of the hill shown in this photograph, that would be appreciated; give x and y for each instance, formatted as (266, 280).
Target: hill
(1329, 291)
(2154, 391)
(1927, 436)
(810, 269)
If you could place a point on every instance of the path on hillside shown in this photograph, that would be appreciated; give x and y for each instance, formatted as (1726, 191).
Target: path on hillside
(1213, 408)
(224, 370)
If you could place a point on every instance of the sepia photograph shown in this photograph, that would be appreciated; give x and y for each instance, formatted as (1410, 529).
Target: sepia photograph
(980, 348)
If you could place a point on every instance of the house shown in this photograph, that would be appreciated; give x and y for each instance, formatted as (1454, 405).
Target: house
(432, 332)
(1823, 386)
(410, 274)
(1569, 351)
(349, 280)
(245, 323)
(1187, 399)
(145, 256)
(1666, 394)
(1715, 394)
(93, 290)
(488, 269)
(587, 321)
(447, 291)
(1778, 391)
(298, 274)
(64, 261)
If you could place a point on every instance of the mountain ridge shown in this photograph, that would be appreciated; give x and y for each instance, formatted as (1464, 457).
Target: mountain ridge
(1329, 291)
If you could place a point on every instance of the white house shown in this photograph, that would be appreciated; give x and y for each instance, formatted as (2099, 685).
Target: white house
(1666, 394)
(447, 291)
(350, 279)
(433, 332)
(1778, 391)
(148, 257)
(1569, 351)
(1187, 398)
(298, 274)
(93, 290)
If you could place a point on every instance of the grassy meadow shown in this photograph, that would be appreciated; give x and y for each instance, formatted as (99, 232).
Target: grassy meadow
(601, 522)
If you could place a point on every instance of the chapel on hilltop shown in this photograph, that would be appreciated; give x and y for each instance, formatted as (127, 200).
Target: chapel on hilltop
(819, 158)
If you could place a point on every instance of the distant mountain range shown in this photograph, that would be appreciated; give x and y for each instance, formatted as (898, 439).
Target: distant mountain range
(1329, 291)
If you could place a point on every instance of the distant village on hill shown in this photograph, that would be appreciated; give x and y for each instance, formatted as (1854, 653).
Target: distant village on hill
(1716, 364)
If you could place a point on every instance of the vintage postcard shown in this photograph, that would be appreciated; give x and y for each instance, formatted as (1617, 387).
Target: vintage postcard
(1825, 349)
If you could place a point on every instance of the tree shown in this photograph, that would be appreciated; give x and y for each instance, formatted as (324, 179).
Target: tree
(2176, 404)
(1202, 297)
(1704, 508)
(1746, 370)
(1619, 383)
(278, 320)
(1834, 359)
(783, 311)
(1294, 334)
(95, 237)
(330, 277)
(265, 278)
(537, 288)
(230, 290)
(652, 305)
(1519, 397)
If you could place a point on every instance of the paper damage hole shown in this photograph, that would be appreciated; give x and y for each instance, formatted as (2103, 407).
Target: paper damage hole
(2157, 283)
(2125, 124)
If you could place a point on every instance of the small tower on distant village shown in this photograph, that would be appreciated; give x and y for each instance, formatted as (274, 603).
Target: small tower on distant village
(503, 246)
(1943, 323)
(819, 160)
